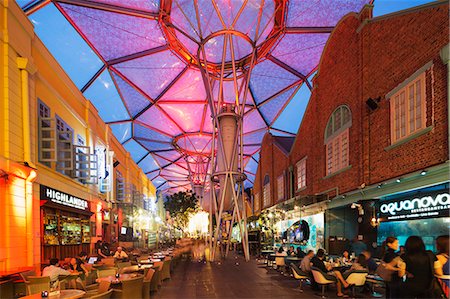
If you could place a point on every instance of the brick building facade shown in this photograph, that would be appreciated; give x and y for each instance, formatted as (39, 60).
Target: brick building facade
(371, 72)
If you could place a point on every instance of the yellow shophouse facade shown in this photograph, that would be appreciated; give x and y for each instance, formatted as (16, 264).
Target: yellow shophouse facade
(65, 180)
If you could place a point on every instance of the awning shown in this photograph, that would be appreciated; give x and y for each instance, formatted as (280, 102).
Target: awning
(50, 204)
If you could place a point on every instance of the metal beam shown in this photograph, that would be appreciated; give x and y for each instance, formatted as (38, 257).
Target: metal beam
(111, 8)
(309, 29)
(137, 55)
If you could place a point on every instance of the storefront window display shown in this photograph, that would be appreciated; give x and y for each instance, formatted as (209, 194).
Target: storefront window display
(316, 225)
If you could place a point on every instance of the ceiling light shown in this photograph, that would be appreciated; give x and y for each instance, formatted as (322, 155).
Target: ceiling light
(379, 186)
(398, 180)
(423, 172)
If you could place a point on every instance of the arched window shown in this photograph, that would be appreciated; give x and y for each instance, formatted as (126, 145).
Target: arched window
(336, 139)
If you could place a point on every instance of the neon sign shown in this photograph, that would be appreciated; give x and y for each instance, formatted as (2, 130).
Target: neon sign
(421, 207)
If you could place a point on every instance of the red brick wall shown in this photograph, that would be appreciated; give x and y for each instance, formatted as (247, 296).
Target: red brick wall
(369, 60)
(393, 49)
(274, 163)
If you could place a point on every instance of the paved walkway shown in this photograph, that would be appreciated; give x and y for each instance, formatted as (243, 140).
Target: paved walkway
(232, 278)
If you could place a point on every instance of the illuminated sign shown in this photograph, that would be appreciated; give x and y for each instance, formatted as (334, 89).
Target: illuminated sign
(63, 198)
(430, 206)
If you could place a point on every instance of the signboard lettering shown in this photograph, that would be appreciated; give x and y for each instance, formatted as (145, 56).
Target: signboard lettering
(437, 205)
(63, 198)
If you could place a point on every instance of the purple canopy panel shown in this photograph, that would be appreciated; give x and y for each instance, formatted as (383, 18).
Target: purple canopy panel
(106, 31)
(156, 118)
(301, 51)
(162, 67)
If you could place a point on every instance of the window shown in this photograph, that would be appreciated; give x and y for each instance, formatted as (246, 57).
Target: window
(120, 186)
(280, 187)
(408, 109)
(64, 134)
(336, 139)
(266, 192)
(301, 174)
(46, 133)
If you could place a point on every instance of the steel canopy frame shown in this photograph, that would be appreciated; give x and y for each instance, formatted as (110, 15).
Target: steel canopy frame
(195, 55)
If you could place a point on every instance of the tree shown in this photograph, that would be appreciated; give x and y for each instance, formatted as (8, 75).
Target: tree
(180, 206)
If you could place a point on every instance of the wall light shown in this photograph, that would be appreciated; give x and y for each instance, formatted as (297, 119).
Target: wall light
(379, 186)
(398, 180)
(423, 172)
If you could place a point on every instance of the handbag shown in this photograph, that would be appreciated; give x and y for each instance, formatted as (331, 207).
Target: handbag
(435, 290)
(384, 272)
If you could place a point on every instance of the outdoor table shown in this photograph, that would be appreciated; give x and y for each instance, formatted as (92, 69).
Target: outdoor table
(14, 272)
(115, 281)
(136, 268)
(266, 252)
(293, 259)
(63, 294)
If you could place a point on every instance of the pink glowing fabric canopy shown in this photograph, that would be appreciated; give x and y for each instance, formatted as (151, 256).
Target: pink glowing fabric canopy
(147, 47)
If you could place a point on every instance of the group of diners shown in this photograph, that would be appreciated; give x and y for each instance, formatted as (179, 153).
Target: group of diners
(415, 272)
(118, 271)
(408, 271)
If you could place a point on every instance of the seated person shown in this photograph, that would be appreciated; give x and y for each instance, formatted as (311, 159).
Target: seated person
(281, 252)
(54, 271)
(317, 262)
(77, 265)
(291, 251)
(305, 266)
(300, 253)
(120, 254)
(358, 266)
(99, 249)
(346, 257)
(371, 264)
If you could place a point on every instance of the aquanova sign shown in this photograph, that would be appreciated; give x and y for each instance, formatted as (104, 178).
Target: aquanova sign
(437, 205)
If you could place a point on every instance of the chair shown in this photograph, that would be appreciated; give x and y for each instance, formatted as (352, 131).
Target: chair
(104, 295)
(131, 288)
(24, 275)
(154, 282)
(146, 285)
(121, 265)
(106, 272)
(356, 279)
(165, 272)
(37, 284)
(280, 263)
(322, 279)
(6, 289)
(103, 287)
(69, 281)
(158, 266)
(299, 275)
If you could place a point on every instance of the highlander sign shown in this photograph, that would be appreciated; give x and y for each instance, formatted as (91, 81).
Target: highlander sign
(62, 198)
(431, 206)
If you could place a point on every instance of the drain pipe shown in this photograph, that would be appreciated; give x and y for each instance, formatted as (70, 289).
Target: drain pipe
(446, 60)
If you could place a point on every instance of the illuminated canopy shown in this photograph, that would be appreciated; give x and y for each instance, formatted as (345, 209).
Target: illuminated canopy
(149, 51)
